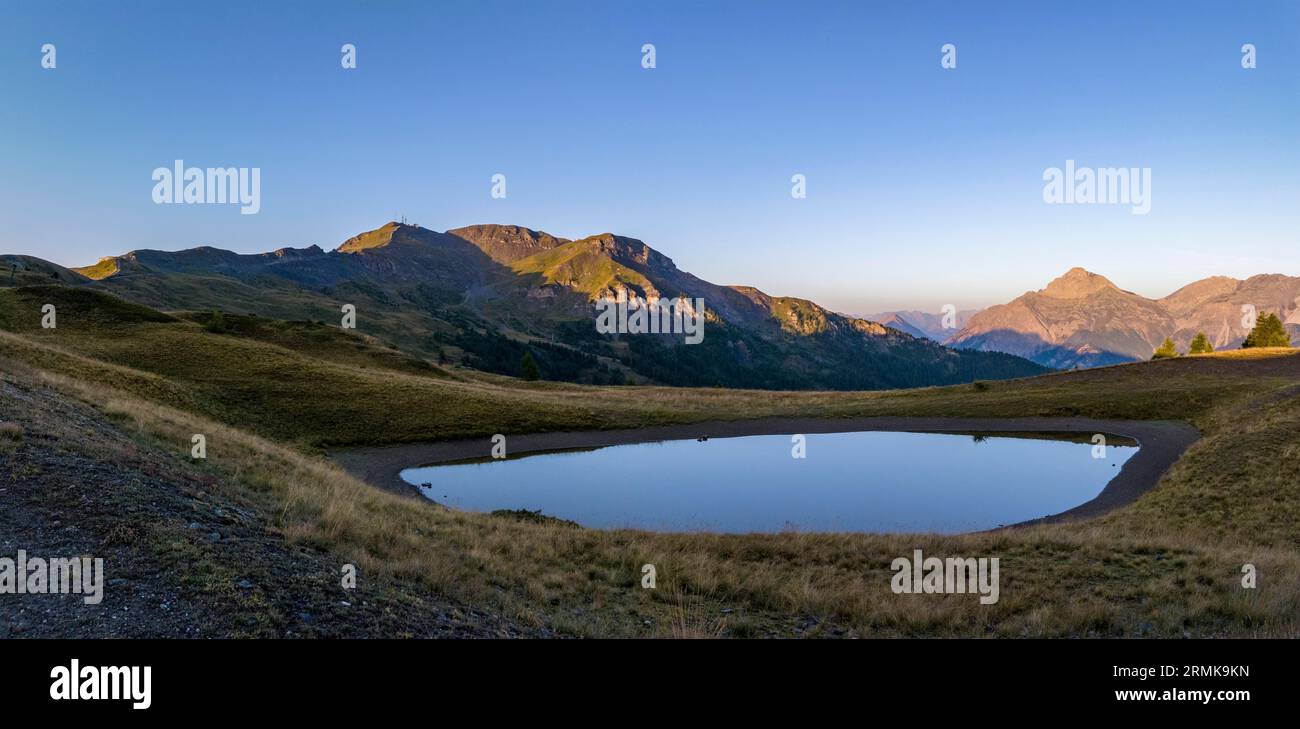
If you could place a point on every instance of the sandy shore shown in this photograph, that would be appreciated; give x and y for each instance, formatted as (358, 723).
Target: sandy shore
(1162, 443)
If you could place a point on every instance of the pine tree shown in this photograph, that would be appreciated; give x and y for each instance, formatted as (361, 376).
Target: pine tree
(1201, 344)
(1268, 332)
(1166, 351)
(528, 367)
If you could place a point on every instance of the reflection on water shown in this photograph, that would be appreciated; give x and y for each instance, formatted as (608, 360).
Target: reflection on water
(861, 482)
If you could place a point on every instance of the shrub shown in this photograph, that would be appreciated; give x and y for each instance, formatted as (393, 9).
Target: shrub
(1166, 350)
(216, 323)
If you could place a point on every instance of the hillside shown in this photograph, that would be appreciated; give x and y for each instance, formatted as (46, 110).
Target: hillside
(117, 378)
(484, 296)
(191, 553)
(26, 270)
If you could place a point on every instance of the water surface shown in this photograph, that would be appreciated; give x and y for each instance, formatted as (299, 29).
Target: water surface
(859, 482)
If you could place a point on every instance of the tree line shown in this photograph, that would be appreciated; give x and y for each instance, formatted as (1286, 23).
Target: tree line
(1269, 331)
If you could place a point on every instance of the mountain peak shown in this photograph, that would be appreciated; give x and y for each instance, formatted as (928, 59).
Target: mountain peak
(385, 234)
(1198, 293)
(1076, 284)
(508, 243)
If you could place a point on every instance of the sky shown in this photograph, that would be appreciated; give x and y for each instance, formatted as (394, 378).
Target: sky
(924, 184)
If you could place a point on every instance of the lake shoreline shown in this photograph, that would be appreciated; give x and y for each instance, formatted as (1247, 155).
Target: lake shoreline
(1162, 443)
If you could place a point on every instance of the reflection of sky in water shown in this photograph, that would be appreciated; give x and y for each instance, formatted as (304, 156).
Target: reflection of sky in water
(875, 481)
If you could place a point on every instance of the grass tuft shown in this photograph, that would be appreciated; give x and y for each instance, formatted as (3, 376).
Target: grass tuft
(11, 432)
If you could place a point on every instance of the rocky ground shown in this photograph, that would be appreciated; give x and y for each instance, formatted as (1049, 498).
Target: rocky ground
(183, 558)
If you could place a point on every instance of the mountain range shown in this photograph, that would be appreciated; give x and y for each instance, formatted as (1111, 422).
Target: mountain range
(492, 296)
(1082, 319)
(923, 323)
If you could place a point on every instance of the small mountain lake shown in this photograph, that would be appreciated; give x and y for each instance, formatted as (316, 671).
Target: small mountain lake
(847, 482)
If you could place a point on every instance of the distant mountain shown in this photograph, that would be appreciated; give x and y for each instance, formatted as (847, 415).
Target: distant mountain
(485, 295)
(1083, 320)
(1214, 306)
(923, 323)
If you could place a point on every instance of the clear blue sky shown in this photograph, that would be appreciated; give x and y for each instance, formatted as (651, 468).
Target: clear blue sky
(924, 184)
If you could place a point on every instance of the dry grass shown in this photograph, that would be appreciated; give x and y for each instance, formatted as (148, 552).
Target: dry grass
(1160, 567)
(11, 432)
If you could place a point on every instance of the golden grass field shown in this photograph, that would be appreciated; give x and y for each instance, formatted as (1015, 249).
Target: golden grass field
(271, 400)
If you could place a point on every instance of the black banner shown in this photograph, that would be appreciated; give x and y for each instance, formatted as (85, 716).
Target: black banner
(979, 678)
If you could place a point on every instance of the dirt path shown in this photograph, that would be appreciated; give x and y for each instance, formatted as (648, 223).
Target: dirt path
(1162, 443)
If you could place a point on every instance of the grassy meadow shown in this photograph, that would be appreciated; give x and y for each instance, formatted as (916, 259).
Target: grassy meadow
(272, 395)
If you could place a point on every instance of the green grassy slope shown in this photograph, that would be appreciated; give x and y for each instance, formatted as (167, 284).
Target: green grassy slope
(582, 267)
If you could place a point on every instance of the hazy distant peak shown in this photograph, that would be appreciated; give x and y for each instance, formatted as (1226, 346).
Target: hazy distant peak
(933, 325)
(1076, 284)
